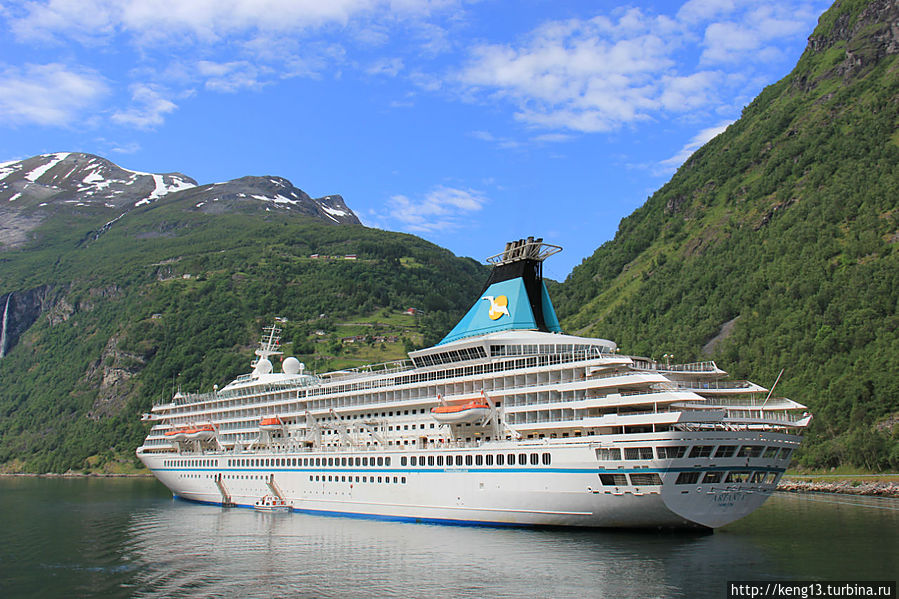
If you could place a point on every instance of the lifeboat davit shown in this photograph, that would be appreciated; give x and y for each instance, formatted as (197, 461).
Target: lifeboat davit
(474, 411)
(270, 424)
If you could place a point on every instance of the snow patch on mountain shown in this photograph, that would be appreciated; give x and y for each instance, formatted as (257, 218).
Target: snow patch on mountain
(36, 173)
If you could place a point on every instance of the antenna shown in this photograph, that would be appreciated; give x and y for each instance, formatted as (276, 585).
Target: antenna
(772, 388)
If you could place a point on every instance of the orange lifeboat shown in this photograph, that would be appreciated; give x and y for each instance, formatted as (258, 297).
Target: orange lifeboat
(475, 410)
(177, 434)
(202, 433)
(268, 424)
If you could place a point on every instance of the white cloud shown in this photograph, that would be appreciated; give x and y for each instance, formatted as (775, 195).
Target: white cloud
(669, 165)
(205, 20)
(390, 67)
(608, 71)
(441, 209)
(229, 77)
(48, 94)
(148, 109)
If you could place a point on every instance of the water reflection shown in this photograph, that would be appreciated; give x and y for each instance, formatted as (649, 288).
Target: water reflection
(126, 539)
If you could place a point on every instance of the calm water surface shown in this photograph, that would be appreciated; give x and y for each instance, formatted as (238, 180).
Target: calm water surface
(128, 538)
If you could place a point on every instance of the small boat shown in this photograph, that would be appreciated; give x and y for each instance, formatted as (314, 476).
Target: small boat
(271, 503)
(177, 434)
(476, 410)
(202, 433)
(270, 423)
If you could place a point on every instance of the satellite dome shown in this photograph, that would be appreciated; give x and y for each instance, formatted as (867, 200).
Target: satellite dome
(292, 366)
(263, 366)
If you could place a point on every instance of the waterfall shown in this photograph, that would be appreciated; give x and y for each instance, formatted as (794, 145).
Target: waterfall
(3, 330)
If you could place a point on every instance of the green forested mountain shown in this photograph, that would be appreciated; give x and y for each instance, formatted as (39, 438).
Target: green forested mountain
(775, 245)
(114, 315)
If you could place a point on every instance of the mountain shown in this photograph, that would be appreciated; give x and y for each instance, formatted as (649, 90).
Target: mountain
(70, 183)
(775, 245)
(115, 286)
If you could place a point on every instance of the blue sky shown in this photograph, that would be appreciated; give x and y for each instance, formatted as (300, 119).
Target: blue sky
(467, 123)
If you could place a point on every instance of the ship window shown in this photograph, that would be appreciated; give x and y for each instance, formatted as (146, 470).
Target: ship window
(310, 478)
(430, 460)
(380, 461)
(489, 459)
(440, 460)
(379, 479)
(646, 478)
(458, 460)
(535, 459)
(750, 451)
(613, 480)
(737, 477)
(671, 452)
(687, 478)
(343, 461)
(358, 461)
(547, 459)
(403, 480)
(725, 451)
(365, 461)
(712, 477)
(478, 460)
(500, 459)
(638, 453)
(403, 461)
(387, 461)
(785, 453)
(701, 451)
(394, 479)
(608, 453)
(522, 459)
(330, 478)
(414, 461)
(511, 459)
(468, 460)
(771, 452)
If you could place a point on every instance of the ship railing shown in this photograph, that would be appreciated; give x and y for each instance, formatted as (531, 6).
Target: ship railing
(368, 370)
(712, 385)
(707, 366)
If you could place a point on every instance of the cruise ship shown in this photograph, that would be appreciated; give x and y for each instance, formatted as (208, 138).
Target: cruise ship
(506, 421)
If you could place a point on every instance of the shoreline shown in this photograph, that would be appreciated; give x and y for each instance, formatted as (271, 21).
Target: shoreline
(78, 475)
(842, 486)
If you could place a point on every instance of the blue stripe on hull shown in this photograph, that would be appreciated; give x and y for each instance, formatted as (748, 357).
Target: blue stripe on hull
(383, 518)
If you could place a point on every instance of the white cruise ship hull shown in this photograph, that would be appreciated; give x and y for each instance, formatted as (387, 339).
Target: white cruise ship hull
(566, 491)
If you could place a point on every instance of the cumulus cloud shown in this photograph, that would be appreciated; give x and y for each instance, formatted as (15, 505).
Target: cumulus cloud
(602, 73)
(669, 165)
(441, 209)
(48, 94)
(148, 109)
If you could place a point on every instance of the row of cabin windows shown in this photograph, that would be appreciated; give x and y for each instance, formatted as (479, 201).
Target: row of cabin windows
(689, 478)
(500, 459)
(460, 355)
(263, 462)
(365, 479)
(697, 451)
(198, 463)
(757, 477)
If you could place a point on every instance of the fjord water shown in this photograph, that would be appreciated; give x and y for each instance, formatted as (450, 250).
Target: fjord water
(129, 538)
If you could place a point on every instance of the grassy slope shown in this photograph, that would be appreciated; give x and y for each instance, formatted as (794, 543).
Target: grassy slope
(73, 390)
(787, 222)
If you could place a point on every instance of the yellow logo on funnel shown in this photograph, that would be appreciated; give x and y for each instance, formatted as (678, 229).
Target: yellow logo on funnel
(498, 306)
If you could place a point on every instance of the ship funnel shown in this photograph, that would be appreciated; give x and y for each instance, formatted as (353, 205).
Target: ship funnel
(515, 296)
